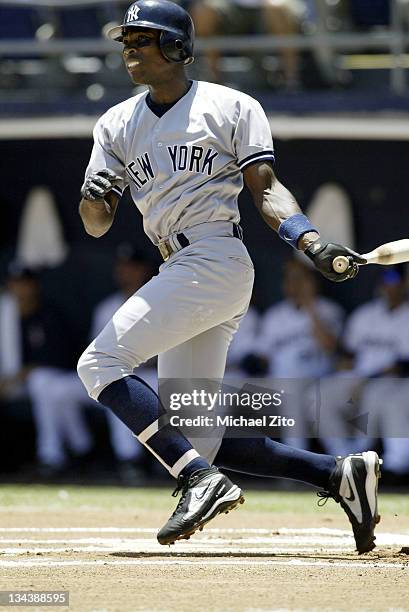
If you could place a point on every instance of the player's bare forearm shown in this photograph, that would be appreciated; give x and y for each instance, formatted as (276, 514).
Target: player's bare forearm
(98, 217)
(274, 202)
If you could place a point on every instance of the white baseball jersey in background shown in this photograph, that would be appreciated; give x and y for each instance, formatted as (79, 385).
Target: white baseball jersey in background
(287, 339)
(373, 333)
(185, 167)
(376, 336)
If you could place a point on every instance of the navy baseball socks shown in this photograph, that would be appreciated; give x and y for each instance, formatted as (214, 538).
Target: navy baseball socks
(139, 407)
(351, 481)
(265, 457)
(205, 492)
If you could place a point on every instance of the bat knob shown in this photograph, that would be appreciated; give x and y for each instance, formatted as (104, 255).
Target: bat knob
(340, 264)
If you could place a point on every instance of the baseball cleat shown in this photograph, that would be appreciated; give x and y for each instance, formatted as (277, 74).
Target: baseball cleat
(205, 494)
(354, 485)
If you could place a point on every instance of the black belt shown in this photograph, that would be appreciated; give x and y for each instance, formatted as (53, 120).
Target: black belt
(166, 249)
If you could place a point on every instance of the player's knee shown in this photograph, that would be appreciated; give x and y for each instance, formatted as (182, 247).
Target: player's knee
(98, 368)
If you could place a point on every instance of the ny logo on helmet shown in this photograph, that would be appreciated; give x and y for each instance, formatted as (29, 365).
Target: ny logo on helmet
(133, 13)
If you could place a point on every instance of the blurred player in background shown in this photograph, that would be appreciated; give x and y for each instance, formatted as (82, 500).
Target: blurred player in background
(36, 361)
(298, 338)
(299, 335)
(367, 381)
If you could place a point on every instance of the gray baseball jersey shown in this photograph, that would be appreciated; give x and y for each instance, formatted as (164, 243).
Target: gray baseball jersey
(184, 172)
(184, 168)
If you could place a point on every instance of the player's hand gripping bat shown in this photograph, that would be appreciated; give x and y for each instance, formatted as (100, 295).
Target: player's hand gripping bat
(385, 255)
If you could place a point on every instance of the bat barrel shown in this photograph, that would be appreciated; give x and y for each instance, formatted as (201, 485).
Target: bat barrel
(390, 253)
(385, 255)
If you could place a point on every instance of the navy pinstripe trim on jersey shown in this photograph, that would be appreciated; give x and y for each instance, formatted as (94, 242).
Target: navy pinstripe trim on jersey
(117, 190)
(262, 156)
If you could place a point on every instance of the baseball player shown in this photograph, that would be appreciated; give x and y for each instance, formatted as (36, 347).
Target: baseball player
(375, 343)
(298, 337)
(184, 149)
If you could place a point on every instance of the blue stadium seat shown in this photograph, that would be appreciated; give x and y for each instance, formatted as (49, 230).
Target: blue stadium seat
(20, 23)
(369, 13)
(79, 22)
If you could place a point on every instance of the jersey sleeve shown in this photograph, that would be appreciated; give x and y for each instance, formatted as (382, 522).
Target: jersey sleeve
(252, 140)
(106, 155)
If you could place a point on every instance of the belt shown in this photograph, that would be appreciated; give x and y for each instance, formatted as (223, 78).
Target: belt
(167, 249)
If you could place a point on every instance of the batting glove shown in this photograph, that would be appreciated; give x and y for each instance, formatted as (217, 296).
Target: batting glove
(322, 254)
(98, 184)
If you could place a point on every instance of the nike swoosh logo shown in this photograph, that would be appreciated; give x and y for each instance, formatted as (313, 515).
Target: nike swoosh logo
(202, 493)
(351, 498)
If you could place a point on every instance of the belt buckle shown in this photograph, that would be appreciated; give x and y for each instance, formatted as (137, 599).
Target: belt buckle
(165, 250)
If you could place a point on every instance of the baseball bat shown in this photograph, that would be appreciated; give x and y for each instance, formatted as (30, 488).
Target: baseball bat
(384, 255)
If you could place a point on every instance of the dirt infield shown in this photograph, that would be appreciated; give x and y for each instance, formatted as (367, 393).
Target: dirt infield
(251, 560)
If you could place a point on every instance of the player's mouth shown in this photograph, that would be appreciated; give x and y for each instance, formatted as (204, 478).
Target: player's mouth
(132, 64)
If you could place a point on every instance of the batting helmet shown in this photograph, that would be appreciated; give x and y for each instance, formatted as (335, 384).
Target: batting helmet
(175, 24)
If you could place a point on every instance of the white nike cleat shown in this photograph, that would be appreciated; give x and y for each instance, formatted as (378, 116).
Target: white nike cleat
(354, 485)
(205, 494)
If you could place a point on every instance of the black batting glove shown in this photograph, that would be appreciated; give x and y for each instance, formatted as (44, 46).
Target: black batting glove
(322, 254)
(98, 184)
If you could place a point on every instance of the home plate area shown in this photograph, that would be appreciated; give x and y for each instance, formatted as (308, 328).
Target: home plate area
(121, 546)
(111, 564)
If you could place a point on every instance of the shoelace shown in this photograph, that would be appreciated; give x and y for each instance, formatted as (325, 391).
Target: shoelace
(181, 485)
(323, 498)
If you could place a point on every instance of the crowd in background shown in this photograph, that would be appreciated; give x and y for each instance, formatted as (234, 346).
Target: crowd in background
(99, 75)
(361, 361)
(286, 18)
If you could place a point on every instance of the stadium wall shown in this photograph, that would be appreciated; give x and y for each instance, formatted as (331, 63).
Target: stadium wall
(378, 193)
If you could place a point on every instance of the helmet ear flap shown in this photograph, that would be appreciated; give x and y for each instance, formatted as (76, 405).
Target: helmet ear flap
(174, 49)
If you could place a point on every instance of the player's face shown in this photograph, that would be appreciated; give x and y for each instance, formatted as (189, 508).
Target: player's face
(142, 56)
(394, 293)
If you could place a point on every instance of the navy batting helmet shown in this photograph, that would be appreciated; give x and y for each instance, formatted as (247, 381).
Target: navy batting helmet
(175, 24)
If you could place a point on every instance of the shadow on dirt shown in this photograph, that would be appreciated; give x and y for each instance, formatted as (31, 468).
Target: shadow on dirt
(371, 557)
